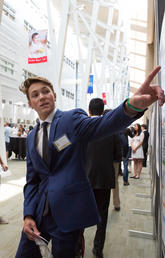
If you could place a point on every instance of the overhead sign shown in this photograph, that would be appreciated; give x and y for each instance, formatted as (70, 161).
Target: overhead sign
(104, 98)
(37, 47)
(90, 85)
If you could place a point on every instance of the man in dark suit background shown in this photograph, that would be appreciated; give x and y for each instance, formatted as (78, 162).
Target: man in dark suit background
(126, 151)
(145, 143)
(101, 155)
(100, 170)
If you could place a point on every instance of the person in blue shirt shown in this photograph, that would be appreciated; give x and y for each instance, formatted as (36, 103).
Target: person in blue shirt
(7, 131)
(4, 168)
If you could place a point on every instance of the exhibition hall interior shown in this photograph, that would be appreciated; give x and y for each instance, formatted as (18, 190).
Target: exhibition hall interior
(73, 54)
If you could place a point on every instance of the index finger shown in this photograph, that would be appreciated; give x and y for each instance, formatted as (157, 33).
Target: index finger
(151, 76)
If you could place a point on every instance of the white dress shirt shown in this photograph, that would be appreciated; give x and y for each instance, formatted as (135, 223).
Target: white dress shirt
(40, 131)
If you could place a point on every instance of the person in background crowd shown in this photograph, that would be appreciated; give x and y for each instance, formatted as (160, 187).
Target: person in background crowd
(14, 131)
(128, 132)
(145, 143)
(5, 168)
(58, 199)
(101, 155)
(25, 128)
(117, 166)
(120, 172)
(30, 128)
(115, 191)
(7, 132)
(137, 151)
(21, 131)
(102, 171)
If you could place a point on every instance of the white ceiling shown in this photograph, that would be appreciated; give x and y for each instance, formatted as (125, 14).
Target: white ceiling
(108, 20)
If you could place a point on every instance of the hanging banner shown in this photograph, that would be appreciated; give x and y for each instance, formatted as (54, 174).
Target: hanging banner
(104, 98)
(90, 86)
(37, 47)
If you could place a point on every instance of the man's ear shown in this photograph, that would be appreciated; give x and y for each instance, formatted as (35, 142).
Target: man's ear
(55, 96)
(89, 113)
(30, 104)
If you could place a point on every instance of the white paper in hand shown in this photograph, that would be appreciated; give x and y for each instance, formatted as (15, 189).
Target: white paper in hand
(5, 173)
(45, 252)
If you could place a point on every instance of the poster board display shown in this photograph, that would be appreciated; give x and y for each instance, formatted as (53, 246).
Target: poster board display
(162, 82)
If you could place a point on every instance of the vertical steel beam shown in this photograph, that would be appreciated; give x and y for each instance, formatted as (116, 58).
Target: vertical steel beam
(2, 140)
(105, 53)
(85, 78)
(79, 64)
(62, 35)
(58, 47)
(1, 8)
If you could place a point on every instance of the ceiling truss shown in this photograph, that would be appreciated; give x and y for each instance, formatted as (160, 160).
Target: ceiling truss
(99, 27)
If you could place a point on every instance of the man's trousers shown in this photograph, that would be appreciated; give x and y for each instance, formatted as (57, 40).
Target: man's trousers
(102, 197)
(63, 243)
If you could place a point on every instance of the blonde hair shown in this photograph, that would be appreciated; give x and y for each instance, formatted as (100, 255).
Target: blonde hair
(24, 87)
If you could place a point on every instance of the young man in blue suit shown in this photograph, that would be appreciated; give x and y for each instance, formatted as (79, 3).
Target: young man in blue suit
(59, 201)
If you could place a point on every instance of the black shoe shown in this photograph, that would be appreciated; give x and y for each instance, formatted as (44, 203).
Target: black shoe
(121, 173)
(126, 183)
(117, 208)
(97, 254)
(3, 221)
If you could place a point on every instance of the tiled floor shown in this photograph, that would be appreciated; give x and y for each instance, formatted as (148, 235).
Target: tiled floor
(118, 242)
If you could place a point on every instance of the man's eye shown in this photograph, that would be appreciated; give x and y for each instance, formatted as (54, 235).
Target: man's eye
(34, 95)
(45, 91)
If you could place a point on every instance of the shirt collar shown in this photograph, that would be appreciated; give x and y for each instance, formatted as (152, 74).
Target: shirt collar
(49, 118)
(96, 116)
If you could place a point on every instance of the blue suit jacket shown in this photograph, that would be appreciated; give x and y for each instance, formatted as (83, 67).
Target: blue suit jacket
(69, 192)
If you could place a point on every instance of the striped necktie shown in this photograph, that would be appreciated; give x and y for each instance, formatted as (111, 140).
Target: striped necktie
(45, 156)
(45, 148)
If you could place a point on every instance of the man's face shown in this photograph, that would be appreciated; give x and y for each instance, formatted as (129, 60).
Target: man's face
(36, 39)
(41, 99)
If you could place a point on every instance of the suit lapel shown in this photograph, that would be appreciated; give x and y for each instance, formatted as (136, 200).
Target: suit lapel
(53, 128)
(33, 136)
(32, 139)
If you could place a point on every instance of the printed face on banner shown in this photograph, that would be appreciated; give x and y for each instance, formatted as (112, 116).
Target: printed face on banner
(37, 47)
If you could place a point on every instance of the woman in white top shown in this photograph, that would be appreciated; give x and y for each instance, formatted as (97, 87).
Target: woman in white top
(137, 151)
